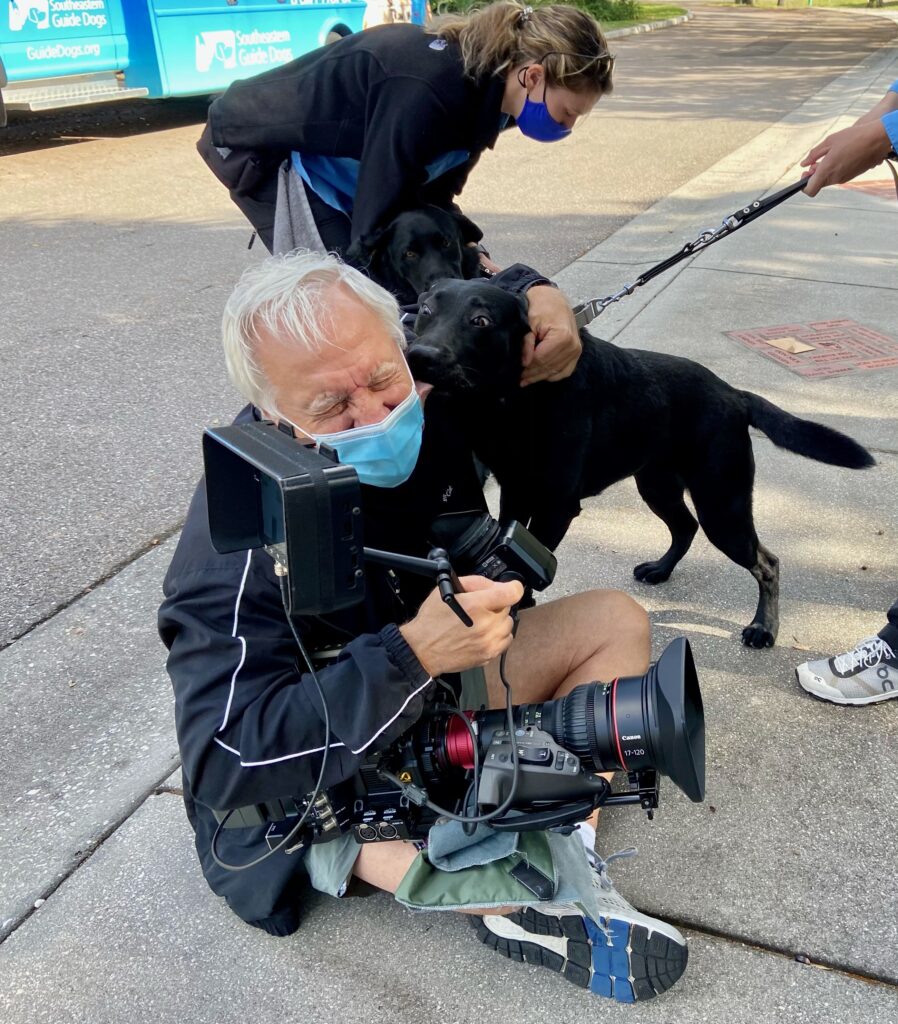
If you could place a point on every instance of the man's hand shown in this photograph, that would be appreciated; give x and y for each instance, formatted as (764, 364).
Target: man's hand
(552, 348)
(846, 154)
(443, 643)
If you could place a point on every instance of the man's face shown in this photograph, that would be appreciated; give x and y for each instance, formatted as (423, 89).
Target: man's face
(356, 379)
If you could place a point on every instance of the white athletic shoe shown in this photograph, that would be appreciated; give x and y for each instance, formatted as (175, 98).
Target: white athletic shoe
(866, 675)
(626, 956)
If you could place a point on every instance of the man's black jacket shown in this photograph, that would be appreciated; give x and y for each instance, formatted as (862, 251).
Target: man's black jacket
(248, 717)
(393, 97)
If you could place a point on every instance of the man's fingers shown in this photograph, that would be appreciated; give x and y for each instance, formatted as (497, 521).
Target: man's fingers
(529, 349)
(489, 595)
(472, 583)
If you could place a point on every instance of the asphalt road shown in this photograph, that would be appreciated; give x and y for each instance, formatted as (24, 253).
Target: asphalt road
(120, 249)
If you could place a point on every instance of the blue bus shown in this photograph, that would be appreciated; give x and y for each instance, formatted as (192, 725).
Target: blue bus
(61, 53)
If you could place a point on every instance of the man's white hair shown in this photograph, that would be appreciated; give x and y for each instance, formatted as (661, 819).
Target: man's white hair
(286, 297)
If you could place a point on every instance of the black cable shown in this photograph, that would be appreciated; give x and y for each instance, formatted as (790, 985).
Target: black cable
(315, 793)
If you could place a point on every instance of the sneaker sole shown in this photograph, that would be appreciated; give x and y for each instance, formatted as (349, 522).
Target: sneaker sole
(836, 698)
(630, 965)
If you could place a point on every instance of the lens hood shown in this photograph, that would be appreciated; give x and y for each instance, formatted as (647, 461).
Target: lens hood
(679, 718)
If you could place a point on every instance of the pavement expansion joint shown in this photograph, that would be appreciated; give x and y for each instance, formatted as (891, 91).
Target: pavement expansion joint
(806, 960)
(810, 280)
(90, 848)
(119, 566)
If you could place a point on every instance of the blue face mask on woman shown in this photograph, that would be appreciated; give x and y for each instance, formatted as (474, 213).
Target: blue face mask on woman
(382, 454)
(536, 122)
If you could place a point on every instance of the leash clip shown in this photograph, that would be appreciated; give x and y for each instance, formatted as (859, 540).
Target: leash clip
(586, 312)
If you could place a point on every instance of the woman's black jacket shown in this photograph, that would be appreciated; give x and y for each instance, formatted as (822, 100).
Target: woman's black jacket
(392, 97)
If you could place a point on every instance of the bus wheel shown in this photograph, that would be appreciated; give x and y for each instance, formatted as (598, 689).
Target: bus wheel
(337, 33)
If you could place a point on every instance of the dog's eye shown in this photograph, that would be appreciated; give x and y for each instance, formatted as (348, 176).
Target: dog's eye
(424, 309)
(481, 321)
(410, 254)
(446, 243)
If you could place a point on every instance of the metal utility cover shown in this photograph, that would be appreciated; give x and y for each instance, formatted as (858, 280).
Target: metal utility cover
(823, 348)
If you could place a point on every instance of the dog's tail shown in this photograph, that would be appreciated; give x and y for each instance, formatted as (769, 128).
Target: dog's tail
(804, 437)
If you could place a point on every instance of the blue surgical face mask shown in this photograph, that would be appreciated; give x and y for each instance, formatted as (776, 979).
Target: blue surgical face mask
(382, 454)
(536, 122)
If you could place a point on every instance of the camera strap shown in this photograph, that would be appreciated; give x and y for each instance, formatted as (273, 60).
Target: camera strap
(586, 312)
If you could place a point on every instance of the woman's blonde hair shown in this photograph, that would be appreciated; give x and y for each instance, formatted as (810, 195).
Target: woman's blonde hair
(566, 41)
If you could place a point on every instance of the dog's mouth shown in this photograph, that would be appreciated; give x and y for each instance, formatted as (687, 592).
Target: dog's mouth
(433, 371)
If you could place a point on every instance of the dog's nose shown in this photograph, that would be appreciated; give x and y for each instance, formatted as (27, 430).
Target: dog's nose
(426, 362)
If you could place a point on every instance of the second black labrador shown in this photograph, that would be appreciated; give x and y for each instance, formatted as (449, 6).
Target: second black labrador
(416, 249)
(667, 421)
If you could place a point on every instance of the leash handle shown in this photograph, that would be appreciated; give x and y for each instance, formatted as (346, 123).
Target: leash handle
(586, 312)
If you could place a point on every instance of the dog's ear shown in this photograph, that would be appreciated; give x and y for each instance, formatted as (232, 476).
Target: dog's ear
(467, 229)
(363, 251)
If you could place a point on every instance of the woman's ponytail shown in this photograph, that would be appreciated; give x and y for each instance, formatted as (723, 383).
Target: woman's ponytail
(506, 34)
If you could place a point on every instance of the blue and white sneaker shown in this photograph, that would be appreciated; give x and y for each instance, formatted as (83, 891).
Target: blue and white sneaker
(625, 956)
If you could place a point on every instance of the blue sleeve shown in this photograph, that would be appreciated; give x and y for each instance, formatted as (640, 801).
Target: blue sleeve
(890, 123)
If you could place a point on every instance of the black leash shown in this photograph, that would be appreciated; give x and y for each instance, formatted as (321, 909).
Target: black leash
(586, 312)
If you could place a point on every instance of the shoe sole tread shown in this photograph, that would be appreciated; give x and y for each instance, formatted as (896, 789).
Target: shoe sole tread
(652, 960)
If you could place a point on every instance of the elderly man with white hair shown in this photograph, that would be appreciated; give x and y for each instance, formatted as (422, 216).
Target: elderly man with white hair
(317, 347)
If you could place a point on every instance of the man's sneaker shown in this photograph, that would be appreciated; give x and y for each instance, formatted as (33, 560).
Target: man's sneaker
(865, 675)
(625, 956)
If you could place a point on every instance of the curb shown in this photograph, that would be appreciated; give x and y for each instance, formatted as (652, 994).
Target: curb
(649, 26)
(873, 12)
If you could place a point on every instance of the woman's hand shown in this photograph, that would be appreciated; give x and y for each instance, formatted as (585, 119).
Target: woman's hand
(846, 154)
(552, 348)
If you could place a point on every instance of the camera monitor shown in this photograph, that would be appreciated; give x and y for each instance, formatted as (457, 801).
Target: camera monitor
(266, 489)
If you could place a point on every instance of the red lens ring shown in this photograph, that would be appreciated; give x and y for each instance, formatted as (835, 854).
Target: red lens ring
(459, 749)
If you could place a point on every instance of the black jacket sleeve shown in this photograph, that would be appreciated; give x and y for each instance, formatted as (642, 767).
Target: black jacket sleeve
(249, 718)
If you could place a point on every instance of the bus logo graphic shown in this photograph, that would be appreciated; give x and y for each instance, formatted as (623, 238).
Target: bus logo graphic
(212, 46)
(23, 11)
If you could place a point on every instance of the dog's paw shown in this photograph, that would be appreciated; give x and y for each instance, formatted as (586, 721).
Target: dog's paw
(652, 572)
(758, 635)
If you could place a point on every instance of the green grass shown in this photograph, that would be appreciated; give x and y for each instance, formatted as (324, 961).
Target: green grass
(648, 12)
(609, 13)
(794, 4)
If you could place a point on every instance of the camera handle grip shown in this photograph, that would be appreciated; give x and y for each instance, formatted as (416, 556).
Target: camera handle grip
(448, 583)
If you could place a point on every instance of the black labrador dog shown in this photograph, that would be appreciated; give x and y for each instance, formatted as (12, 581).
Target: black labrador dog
(666, 420)
(416, 249)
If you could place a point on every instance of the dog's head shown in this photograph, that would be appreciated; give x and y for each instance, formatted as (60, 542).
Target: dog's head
(417, 248)
(470, 336)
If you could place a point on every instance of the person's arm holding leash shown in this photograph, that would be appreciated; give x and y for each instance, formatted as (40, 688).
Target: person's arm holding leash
(846, 154)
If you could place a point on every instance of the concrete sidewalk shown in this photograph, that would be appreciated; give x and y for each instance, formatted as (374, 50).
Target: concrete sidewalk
(792, 853)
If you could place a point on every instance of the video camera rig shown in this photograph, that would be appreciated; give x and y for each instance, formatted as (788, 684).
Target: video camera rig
(524, 767)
